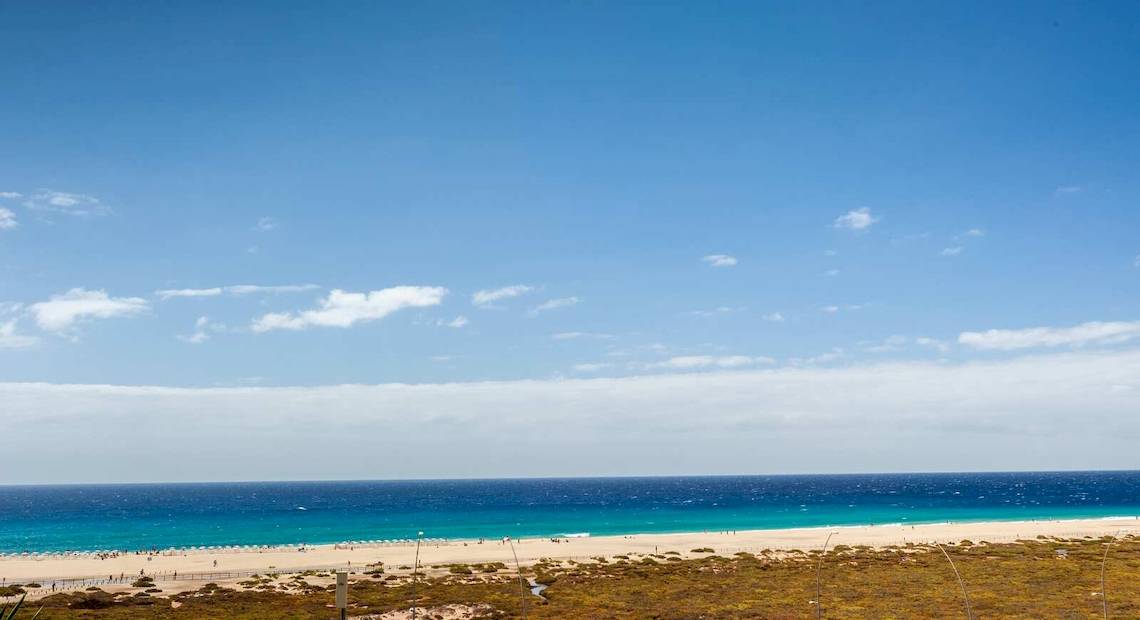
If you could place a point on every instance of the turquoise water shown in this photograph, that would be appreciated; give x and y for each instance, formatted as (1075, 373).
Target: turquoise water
(94, 517)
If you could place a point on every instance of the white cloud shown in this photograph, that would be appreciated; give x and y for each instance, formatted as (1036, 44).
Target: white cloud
(592, 367)
(718, 311)
(898, 342)
(833, 309)
(952, 251)
(1066, 190)
(859, 219)
(1094, 332)
(457, 322)
(1136, 262)
(189, 292)
(580, 335)
(9, 339)
(933, 343)
(830, 253)
(720, 260)
(238, 289)
(774, 317)
(836, 353)
(890, 343)
(487, 297)
(692, 362)
(266, 224)
(975, 232)
(344, 309)
(553, 304)
(251, 289)
(1007, 414)
(51, 201)
(203, 327)
(11, 195)
(831, 273)
(61, 312)
(7, 219)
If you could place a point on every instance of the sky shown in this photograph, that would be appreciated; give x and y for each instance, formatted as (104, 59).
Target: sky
(415, 240)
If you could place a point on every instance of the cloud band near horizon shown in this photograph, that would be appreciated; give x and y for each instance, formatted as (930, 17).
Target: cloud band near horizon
(1022, 413)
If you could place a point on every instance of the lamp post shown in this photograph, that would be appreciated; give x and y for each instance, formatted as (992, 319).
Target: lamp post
(818, 570)
(518, 569)
(415, 572)
(965, 595)
(1103, 562)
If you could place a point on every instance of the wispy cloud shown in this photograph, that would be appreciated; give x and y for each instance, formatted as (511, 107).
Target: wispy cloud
(10, 339)
(1068, 190)
(7, 219)
(975, 232)
(1094, 332)
(61, 312)
(487, 297)
(835, 308)
(580, 335)
(554, 304)
(773, 317)
(695, 362)
(857, 220)
(237, 289)
(898, 342)
(592, 367)
(889, 344)
(720, 260)
(345, 309)
(203, 327)
(836, 353)
(266, 224)
(251, 289)
(932, 343)
(189, 292)
(11, 195)
(456, 323)
(50, 201)
(952, 251)
(831, 273)
(718, 311)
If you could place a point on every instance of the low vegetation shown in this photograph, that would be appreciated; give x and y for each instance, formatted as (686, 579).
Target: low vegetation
(1041, 578)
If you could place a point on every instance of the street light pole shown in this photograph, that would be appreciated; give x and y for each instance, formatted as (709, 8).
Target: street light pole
(818, 570)
(518, 569)
(415, 572)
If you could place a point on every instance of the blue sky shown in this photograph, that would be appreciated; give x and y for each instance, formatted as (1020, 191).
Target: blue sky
(883, 184)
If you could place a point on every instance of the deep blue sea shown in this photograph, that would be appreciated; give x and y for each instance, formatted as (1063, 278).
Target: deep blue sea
(138, 516)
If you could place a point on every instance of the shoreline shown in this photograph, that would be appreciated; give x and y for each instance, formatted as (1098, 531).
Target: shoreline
(191, 566)
(293, 545)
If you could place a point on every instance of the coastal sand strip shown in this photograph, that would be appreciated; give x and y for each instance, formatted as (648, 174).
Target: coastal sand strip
(206, 562)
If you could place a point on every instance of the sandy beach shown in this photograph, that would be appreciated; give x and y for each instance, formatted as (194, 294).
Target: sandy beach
(193, 567)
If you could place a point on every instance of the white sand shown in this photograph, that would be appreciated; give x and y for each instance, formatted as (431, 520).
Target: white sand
(200, 563)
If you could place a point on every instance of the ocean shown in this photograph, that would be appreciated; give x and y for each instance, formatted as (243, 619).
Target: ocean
(144, 516)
